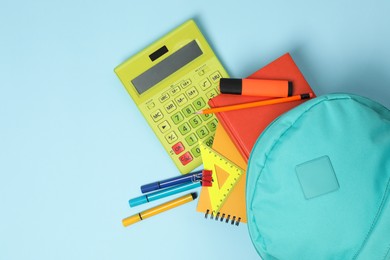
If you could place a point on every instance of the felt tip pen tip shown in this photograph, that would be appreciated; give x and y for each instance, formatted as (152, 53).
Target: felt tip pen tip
(198, 113)
(194, 195)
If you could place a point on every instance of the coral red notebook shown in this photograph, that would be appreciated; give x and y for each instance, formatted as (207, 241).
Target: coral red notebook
(245, 126)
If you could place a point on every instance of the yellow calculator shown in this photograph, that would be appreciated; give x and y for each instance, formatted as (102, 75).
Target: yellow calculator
(169, 81)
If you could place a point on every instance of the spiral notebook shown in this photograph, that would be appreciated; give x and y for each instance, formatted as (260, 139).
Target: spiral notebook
(233, 210)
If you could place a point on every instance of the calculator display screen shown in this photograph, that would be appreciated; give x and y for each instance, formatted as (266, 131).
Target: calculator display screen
(166, 67)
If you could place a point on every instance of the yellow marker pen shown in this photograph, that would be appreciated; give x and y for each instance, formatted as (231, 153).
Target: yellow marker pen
(158, 209)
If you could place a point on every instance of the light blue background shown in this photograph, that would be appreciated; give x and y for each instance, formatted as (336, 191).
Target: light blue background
(74, 148)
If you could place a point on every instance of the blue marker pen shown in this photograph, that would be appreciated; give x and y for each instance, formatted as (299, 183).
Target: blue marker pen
(163, 193)
(190, 177)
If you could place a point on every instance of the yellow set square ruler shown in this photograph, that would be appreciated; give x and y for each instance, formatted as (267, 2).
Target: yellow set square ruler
(225, 175)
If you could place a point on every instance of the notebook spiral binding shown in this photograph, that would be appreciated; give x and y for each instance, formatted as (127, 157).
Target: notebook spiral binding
(233, 219)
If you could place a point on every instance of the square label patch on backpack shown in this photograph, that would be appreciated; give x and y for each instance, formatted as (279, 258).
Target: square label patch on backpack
(317, 177)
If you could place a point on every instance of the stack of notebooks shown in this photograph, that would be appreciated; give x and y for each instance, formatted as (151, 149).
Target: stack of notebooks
(238, 130)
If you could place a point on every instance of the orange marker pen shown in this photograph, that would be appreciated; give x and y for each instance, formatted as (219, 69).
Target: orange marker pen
(256, 87)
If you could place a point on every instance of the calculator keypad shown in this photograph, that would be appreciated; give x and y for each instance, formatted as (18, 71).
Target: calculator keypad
(173, 112)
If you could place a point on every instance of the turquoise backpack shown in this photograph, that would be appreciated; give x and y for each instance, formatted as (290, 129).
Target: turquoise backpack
(318, 182)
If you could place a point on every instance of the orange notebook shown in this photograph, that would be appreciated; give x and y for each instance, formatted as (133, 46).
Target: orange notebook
(245, 126)
(235, 203)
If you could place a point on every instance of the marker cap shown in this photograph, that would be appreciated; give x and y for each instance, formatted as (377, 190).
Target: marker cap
(230, 86)
(150, 187)
(131, 220)
(256, 87)
(138, 201)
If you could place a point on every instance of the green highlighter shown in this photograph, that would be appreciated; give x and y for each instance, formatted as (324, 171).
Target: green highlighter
(169, 81)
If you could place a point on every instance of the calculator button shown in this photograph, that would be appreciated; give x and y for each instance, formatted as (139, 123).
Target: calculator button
(215, 77)
(188, 111)
(196, 151)
(199, 103)
(212, 125)
(171, 137)
(184, 128)
(185, 83)
(195, 121)
(151, 105)
(164, 126)
(185, 158)
(202, 132)
(191, 139)
(192, 92)
(164, 97)
(174, 90)
(170, 107)
(206, 117)
(178, 147)
(211, 94)
(202, 71)
(209, 141)
(177, 118)
(205, 84)
(181, 100)
(157, 115)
